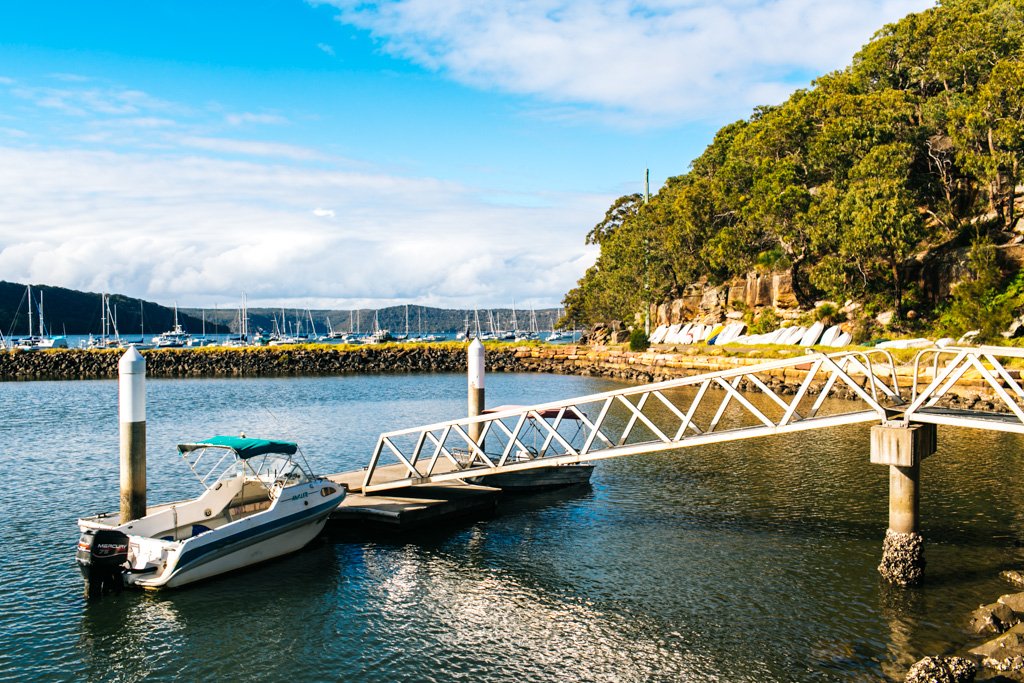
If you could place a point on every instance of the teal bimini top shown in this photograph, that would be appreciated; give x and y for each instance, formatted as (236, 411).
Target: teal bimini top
(243, 446)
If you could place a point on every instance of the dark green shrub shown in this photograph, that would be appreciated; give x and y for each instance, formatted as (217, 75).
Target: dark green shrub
(638, 340)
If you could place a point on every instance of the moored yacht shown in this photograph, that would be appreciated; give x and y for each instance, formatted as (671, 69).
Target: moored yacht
(261, 504)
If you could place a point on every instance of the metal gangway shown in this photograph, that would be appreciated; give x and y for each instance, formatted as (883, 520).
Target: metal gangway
(729, 405)
(939, 371)
(740, 403)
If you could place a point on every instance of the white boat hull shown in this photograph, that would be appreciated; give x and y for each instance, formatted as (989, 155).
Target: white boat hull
(276, 546)
(156, 559)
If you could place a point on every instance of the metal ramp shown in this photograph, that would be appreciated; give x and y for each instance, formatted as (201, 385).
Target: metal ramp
(741, 403)
(939, 370)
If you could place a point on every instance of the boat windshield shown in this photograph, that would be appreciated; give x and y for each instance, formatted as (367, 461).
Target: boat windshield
(212, 463)
(269, 469)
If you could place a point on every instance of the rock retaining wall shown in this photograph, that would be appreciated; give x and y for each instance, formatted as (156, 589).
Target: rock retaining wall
(612, 361)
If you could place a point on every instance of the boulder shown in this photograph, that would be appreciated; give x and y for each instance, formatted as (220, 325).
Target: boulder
(995, 617)
(677, 311)
(1014, 601)
(885, 318)
(942, 670)
(1005, 653)
(710, 300)
(1013, 576)
(689, 307)
(759, 290)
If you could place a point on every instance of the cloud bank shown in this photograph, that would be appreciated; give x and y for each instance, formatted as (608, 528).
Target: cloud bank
(658, 60)
(200, 230)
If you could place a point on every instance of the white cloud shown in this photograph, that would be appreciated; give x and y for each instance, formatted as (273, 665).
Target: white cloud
(326, 49)
(249, 117)
(109, 101)
(200, 230)
(250, 148)
(660, 59)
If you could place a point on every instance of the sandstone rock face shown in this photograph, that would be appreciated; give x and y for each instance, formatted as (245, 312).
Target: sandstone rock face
(782, 291)
(942, 670)
(737, 296)
(700, 301)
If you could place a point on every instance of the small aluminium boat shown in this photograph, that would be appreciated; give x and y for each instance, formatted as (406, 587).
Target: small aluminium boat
(259, 503)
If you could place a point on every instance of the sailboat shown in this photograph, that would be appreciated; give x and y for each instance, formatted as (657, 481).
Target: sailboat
(109, 337)
(464, 332)
(175, 338)
(379, 336)
(42, 340)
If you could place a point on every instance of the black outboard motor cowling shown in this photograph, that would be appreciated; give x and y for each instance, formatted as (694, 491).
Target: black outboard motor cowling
(102, 558)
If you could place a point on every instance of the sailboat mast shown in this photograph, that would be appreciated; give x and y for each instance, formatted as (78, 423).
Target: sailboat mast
(29, 310)
(42, 328)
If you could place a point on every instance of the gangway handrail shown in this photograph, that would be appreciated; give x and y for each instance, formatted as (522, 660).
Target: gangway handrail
(433, 442)
(984, 360)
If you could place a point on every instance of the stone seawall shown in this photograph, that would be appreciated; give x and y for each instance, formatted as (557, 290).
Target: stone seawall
(273, 361)
(613, 362)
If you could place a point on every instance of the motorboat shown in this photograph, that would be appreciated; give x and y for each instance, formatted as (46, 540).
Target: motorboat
(531, 442)
(259, 503)
(173, 339)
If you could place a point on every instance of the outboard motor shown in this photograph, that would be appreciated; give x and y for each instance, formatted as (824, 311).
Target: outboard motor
(102, 558)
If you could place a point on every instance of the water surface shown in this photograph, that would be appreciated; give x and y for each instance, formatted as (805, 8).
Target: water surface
(751, 561)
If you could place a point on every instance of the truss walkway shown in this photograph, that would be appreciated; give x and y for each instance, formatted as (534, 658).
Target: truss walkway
(743, 403)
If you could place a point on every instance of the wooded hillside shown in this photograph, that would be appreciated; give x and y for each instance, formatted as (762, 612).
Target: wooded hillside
(915, 147)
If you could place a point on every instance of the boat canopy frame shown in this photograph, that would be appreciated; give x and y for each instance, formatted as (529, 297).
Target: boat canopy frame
(240, 448)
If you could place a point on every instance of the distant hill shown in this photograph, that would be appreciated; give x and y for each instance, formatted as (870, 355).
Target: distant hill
(68, 311)
(392, 318)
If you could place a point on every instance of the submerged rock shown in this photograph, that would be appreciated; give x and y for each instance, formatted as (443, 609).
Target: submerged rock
(942, 670)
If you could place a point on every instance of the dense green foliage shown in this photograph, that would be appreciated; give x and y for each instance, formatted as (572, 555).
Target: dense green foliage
(638, 340)
(917, 143)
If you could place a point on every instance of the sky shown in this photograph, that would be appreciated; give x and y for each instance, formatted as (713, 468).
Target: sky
(336, 153)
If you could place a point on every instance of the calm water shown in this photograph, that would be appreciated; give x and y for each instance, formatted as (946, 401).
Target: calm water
(748, 562)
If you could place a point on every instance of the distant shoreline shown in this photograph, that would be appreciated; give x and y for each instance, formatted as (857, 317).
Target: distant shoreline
(615, 362)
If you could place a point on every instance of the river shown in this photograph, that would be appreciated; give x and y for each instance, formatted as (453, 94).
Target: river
(751, 561)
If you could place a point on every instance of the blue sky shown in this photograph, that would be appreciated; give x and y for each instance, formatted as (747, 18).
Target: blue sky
(335, 153)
